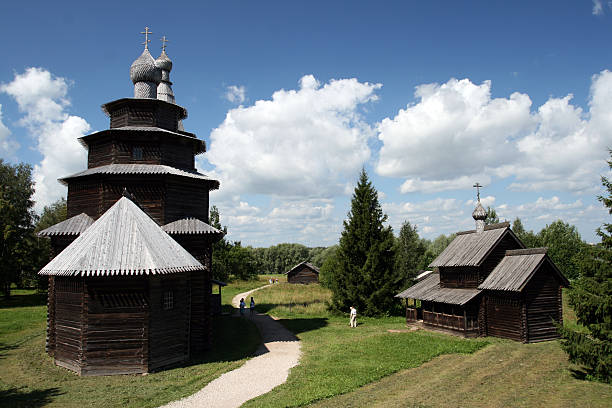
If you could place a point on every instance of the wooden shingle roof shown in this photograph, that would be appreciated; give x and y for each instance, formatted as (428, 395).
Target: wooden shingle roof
(471, 248)
(429, 290)
(516, 269)
(123, 241)
(140, 169)
(72, 226)
(191, 226)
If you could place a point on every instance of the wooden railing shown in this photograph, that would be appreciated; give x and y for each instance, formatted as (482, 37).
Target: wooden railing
(449, 321)
(411, 314)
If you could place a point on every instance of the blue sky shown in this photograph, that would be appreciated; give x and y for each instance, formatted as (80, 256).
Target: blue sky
(293, 98)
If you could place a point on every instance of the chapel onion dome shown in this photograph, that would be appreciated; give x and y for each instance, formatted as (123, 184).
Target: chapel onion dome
(163, 62)
(479, 213)
(145, 76)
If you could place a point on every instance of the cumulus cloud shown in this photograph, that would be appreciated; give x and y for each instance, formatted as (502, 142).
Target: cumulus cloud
(235, 94)
(42, 98)
(8, 147)
(301, 143)
(456, 134)
(597, 8)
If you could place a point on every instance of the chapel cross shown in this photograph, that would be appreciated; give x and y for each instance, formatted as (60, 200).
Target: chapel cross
(146, 32)
(478, 186)
(164, 41)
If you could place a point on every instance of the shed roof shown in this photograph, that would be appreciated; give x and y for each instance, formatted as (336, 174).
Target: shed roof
(123, 241)
(516, 269)
(72, 226)
(191, 226)
(429, 290)
(140, 169)
(308, 264)
(470, 248)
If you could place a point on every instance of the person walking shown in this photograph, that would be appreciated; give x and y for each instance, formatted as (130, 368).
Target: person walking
(242, 306)
(353, 321)
(252, 306)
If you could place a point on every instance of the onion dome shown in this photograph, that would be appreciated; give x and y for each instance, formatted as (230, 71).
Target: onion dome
(163, 62)
(479, 212)
(145, 76)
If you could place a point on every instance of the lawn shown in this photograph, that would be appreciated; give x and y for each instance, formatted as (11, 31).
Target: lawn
(337, 359)
(28, 377)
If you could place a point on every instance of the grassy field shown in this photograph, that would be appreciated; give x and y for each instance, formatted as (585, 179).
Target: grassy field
(337, 359)
(28, 377)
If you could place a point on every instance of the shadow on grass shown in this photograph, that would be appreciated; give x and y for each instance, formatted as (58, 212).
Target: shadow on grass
(6, 347)
(35, 299)
(579, 374)
(21, 397)
(302, 325)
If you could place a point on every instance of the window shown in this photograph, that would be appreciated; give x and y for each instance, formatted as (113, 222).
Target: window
(137, 153)
(168, 300)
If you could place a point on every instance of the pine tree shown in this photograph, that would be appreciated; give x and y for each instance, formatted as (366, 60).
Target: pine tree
(591, 298)
(364, 277)
(409, 252)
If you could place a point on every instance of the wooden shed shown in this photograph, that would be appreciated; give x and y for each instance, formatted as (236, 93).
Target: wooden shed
(120, 297)
(304, 272)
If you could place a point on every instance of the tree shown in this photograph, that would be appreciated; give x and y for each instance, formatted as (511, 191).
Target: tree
(492, 217)
(434, 248)
(564, 246)
(52, 214)
(364, 277)
(16, 222)
(220, 249)
(329, 266)
(528, 238)
(409, 251)
(591, 298)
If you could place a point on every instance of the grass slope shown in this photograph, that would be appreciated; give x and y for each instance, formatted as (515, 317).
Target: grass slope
(28, 377)
(337, 359)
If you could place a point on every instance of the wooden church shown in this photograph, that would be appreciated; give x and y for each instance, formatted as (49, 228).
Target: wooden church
(130, 275)
(486, 283)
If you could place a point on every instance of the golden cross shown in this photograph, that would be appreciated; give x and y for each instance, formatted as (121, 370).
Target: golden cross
(478, 186)
(146, 32)
(164, 41)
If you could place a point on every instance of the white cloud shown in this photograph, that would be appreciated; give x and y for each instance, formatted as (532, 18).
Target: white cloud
(301, 143)
(457, 134)
(235, 94)
(597, 8)
(43, 100)
(8, 147)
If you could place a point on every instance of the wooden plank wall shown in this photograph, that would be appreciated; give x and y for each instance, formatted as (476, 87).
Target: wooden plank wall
(100, 153)
(504, 317)
(84, 196)
(303, 275)
(186, 198)
(68, 322)
(50, 341)
(459, 277)
(169, 329)
(116, 333)
(177, 154)
(543, 306)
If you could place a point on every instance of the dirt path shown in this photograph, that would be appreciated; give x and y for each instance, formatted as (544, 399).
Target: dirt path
(279, 351)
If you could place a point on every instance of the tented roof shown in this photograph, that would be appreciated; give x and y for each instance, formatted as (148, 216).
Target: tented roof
(123, 241)
(72, 226)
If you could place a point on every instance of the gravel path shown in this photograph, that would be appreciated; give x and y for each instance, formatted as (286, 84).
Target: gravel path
(279, 351)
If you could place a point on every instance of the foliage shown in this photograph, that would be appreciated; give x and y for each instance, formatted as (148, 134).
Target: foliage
(329, 266)
(16, 224)
(492, 217)
(365, 277)
(409, 253)
(434, 248)
(591, 298)
(52, 214)
(564, 246)
(529, 238)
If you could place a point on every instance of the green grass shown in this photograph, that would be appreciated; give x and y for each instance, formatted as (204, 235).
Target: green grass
(337, 359)
(239, 286)
(29, 378)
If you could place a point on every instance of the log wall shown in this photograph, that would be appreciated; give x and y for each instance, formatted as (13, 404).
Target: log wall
(169, 328)
(68, 319)
(186, 199)
(504, 315)
(543, 305)
(459, 277)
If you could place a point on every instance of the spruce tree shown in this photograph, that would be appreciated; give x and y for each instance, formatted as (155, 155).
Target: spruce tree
(409, 252)
(591, 298)
(364, 275)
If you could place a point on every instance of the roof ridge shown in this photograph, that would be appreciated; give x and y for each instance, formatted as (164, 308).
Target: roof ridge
(526, 251)
(505, 224)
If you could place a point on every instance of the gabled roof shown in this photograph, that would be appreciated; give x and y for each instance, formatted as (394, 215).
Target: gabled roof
(308, 264)
(72, 226)
(470, 248)
(517, 268)
(140, 169)
(429, 290)
(123, 241)
(191, 226)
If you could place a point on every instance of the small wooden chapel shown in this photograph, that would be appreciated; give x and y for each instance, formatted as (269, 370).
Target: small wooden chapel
(130, 275)
(486, 283)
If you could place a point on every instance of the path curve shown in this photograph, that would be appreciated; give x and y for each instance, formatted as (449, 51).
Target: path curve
(269, 368)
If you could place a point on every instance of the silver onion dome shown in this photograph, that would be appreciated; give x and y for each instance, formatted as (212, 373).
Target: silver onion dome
(163, 62)
(479, 212)
(145, 76)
